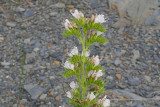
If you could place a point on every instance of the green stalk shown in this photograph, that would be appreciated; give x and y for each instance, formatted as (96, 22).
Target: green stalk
(83, 67)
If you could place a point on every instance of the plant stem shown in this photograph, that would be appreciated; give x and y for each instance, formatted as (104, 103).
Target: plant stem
(83, 67)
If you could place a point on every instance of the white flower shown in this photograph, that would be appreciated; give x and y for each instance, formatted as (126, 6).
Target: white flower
(68, 65)
(96, 60)
(99, 33)
(86, 54)
(106, 103)
(98, 74)
(66, 24)
(74, 51)
(69, 95)
(99, 19)
(73, 85)
(77, 14)
(90, 73)
(91, 96)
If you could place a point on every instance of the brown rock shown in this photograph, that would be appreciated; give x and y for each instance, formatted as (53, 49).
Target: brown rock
(57, 98)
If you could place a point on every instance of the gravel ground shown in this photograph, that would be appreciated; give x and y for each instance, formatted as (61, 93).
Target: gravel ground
(131, 58)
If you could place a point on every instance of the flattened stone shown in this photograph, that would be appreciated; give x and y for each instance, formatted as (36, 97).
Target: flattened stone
(34, 90)
(134, 82)
(11, 24)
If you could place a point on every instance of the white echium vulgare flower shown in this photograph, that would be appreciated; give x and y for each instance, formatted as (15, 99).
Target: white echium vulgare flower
(73, 85)
(96, 60)
(95, 74)
(69, 95)
(98, 74)
(99, 33)
(99, 19)
(77, 14)
(105, 102)
(74, 51)
(91, 96)
(67, 24)
(68, 65)
(87, 53)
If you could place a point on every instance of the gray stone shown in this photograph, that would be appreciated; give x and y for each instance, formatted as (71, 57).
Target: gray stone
(128, 94)
(27, 41)
(139, 104)
(1, 38)
(20, 9)
(138, 10)
(34, 90)
(148, 78)
(29, 13)
(59, 5)
(154, 19)
(136, 54)
(11, 24)
(43, 96)
(134, 82)
(53, 13)
(5, 63)
(117, 62)
(23, 101)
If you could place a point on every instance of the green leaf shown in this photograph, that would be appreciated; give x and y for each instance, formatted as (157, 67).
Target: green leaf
(79, 22)
(70, 32)
(91, 81)
(96, 38)
(77, 59)
(68, 73)
(96, 26)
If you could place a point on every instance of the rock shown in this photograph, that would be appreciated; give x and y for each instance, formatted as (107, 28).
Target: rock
(53, 13)
(43, 96)
(1, 38)
(110, 85)
(20, 9)
(117, 62)
(137, 10)
(11, 24)
(34, 90)
(136, 54)
(59, 5)
(23, 101)
(153, 19)
(5, 63)
(36, 49)
(29, 13)
(139, 104)
(128, 94)
(134, 82)
(27, 41)
(58, 97)
(94, 5)
(148, 78)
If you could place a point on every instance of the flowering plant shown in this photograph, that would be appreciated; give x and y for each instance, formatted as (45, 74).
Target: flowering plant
(88, 86)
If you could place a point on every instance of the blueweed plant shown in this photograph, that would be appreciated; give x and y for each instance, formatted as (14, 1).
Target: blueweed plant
(88, 86)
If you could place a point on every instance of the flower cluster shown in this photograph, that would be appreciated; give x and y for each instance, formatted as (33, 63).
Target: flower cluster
(95, 74)
(73, 86)
(86, 69)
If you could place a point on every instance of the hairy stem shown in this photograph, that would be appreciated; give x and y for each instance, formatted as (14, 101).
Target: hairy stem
(83, 67)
